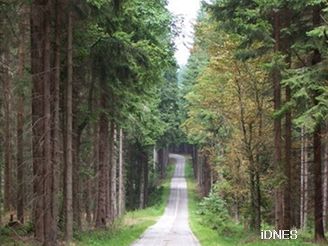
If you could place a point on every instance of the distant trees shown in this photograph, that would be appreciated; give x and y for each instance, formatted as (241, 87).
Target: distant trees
(251, 54)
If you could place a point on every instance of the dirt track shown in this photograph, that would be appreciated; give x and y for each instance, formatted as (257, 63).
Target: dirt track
(172, 228)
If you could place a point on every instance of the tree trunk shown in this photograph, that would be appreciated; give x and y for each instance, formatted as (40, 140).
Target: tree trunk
(257, 201)
(76, 179)
(20, 161)
(155, 158)
(303, 201)
(207, 178)
(276, 76)
(49, 235)
(20, 116)
(161, 162)
(103, 171)
(195, 161)
(287, 199)
(200, 170)
(145, 175)
(287, 167)
(8, 175)
(2, 73)
(95, 161)
(113, 175)
(318, 202)
(55, 117)
(325, 185)
(109, 178)
(121, 188)
(37, 33)
(306, 183)
(255, 196)
(88, 185)
(141, 181)
(69, 128)
(44, 221)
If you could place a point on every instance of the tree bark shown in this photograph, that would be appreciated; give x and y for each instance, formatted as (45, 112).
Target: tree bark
(121, 188)
(69, 129)
(103, 170)
(88, 185)
(113, 167)
(287, 167)
(304, 180)
(55, 148)
(95, 161)
(2, 72)
(287, 200)
(37, 37)
(8, 166)
(49, 235)
(145, 174)
(325, 185)
(76, 180)
(306, 183)
(318, 202)
(276, 76)
(141, 184)
(23, 25)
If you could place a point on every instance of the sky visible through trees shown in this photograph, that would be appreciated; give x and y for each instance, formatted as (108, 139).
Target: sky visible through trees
(187, 11)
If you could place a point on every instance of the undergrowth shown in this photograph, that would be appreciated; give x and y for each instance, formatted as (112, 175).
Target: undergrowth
(130, 227)
(211, 224)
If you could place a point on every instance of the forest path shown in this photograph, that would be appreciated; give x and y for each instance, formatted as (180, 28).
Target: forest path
(173, 227)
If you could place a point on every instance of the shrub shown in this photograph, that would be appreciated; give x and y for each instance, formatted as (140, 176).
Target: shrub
(214, 212)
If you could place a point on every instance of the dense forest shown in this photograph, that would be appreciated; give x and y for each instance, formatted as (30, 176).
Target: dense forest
(256, 93)
(93, 101)
(88, 94)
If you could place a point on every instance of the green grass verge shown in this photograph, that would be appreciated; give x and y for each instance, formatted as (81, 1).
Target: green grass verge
(237, 235)
(132, 225)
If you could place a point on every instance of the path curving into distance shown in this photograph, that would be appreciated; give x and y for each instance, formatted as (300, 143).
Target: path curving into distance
(172, 229)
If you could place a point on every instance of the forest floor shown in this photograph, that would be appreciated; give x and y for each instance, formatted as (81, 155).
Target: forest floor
(236, 235)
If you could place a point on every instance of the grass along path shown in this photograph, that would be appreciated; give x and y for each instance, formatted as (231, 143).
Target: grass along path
(237, 236)
(127, 229)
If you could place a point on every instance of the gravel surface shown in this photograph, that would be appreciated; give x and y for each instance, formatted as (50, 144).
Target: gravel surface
(172, 228)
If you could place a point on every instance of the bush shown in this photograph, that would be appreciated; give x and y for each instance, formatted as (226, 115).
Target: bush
(155, 196)
(214, 213)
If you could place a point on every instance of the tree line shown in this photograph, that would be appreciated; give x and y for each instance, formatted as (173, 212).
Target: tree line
(88, 95)
(255, 93)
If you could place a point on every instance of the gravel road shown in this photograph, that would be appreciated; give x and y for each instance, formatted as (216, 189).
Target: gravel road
(172, 228)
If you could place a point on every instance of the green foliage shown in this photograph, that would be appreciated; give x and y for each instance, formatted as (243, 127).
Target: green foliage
(214, 212)
(228, 90)
(309, 84)
(129, 46)
(129, 228)
(158, 193)
(234, 234)
(11, 235)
